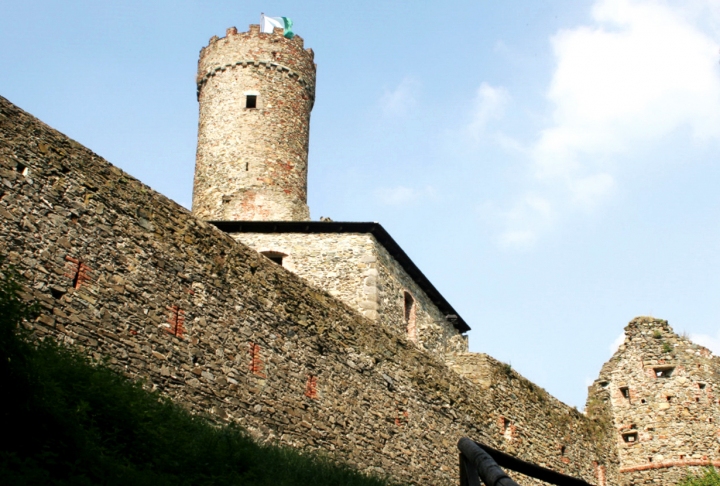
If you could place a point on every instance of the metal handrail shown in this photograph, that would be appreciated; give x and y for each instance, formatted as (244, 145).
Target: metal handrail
(478, 461)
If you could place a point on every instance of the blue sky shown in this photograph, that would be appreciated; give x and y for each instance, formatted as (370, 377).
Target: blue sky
(552, 168)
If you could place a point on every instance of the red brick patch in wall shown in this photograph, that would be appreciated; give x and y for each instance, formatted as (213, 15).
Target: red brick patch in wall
(600, 474)
(660, 465)
(311, 387)
(176, 321)
(77, 271)
(507, 428)
(256, 364)
(401, 417)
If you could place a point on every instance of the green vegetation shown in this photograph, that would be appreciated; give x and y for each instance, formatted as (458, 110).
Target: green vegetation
(657, 334)
(667, 348)
(709, 478)
(70, 422)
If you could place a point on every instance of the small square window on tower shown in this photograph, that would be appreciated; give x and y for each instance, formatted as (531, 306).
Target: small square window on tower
(251, 101)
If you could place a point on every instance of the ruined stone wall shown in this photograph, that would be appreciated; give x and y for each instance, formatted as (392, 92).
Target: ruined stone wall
(561, 423)
(662, 393)
(358, 270)
(252, 162)
(123, 272)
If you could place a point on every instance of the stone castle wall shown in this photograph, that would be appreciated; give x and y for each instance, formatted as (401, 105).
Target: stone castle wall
(661, 391)
(357, 269)
(123, 272)
(252, 162)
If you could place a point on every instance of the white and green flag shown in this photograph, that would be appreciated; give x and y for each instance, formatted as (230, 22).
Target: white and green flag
(268, 23)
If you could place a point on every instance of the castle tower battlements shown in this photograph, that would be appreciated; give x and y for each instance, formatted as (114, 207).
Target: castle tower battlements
(255, 92)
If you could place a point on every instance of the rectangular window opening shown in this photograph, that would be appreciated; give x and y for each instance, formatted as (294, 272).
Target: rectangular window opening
(274, 256)
(630, 437)
(625, 392)
(664, 372)
(22, 168)
(251, 101)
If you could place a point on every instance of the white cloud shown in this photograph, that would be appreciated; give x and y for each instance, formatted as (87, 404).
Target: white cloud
(642, 70)
(489, 104)
(588, 190)
(710, 342)
(617, 343)
(530, 216)
(402, 99)
(401, 195)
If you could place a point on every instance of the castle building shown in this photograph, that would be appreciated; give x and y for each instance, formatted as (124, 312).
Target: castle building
(256, 91)
(320, 335)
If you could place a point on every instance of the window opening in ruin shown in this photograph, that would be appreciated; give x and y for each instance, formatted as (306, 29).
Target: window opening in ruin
(625, 392)
(22, 168)
(57, 293)
(701, 386)
(562, 450)
(409, 314)
(697, 399)
(630, 437)
(649, 459)
(664, 372)
(247, 166)
(251, 101)
(642, 400)
(274, 256)
(668, 398)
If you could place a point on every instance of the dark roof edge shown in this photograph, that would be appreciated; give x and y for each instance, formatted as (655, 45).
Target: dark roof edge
(376, 229)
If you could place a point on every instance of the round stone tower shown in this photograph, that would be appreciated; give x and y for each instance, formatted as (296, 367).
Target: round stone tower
(256, 91)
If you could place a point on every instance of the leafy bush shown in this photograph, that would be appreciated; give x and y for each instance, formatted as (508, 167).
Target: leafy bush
(709, 478)
(69, 422)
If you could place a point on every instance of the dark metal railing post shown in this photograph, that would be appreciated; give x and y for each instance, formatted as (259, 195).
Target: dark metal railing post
(478, 460)
(468, 473)
(484, 465)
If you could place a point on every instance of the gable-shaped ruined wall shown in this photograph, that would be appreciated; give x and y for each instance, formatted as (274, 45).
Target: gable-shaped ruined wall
(662, 393)
(123, 272)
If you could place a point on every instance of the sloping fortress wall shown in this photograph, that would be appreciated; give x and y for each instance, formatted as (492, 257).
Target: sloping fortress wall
(661, 391)
(123, 272)
(356, 269)
(255, 92)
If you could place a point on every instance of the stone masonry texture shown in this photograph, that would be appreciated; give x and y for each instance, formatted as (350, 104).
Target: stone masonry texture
(252, 162)
(126, 274)
(662, 394)
(359, 271)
